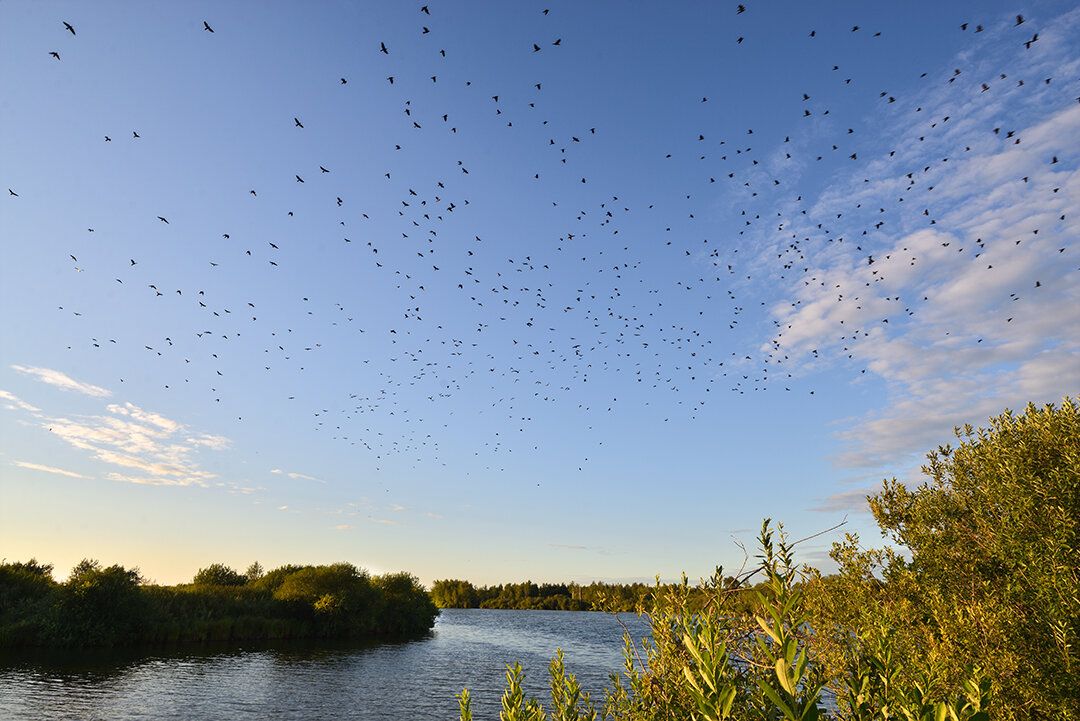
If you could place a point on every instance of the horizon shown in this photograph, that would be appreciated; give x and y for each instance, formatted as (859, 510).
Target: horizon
(582, 293)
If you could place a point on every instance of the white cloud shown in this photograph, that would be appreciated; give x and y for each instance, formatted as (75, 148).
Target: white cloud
(972, 301)
(48, 469)
(297, 476)
(62, 381)
(128, 409)
(161, 450)
(157, 480)
(16, 403)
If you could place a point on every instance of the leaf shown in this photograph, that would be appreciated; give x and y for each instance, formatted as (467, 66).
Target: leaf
(784, 676)
(767, 628)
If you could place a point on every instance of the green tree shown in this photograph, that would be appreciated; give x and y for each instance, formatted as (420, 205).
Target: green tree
(100, 606)
(995, 551)
(453, 593)
(254, 572)
(406, 608)
(218, 574)
(990, 574)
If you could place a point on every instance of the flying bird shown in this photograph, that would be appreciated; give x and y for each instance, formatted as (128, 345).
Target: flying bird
(55, 54)
(206, 26)
(68, 27)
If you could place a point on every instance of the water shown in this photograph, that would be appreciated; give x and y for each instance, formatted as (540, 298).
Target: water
(309, 681)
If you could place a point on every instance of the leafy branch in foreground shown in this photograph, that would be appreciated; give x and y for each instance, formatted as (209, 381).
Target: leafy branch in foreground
(707, 664)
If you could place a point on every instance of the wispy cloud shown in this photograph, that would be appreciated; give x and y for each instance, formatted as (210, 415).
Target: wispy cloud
(297, 476)
(48, 469)
(154, 480)
(852, 501)
(963, 297)
(63, 381)
(14, 403)
(574, 547)
(150, 448)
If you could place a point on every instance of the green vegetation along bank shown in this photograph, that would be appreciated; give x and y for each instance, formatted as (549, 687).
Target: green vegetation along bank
(972, 616)
(597, 596)
(99, 606)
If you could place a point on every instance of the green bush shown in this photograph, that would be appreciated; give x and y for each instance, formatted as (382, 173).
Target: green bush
(109, 606)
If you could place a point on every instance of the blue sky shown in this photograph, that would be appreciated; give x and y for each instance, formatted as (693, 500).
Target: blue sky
(580, 294)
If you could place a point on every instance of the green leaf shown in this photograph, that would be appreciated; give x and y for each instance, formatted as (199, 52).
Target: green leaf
(784, 676)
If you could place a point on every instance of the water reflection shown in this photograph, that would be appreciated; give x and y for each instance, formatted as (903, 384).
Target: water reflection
(414, 679)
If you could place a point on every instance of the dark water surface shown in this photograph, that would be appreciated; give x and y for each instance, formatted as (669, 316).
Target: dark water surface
(307, 681)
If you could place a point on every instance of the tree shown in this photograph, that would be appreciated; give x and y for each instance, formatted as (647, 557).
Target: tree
(218, 574)
(254, 572)
(100, 606)
(992, 542)
(453, 593)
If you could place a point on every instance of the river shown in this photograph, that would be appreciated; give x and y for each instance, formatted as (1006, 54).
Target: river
(309, 681)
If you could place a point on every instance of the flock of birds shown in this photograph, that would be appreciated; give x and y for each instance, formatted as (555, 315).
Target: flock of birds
(532, 326)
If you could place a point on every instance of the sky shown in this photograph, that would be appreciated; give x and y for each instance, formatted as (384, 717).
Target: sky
(503, 291)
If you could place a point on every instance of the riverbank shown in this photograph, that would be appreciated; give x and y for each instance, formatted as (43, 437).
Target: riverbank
(100, 606)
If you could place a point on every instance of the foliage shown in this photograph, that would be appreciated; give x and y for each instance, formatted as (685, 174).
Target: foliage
(992, 569)
(26, 592)
(99, 606)
(405, 604)
(218, 574)
(709, 661)
(555, 596)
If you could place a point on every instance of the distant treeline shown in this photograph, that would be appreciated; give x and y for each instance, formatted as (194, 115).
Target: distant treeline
(453, 593)
(99, 606)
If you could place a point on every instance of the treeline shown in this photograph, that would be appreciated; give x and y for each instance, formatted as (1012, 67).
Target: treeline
(109, 606)
(597, 596)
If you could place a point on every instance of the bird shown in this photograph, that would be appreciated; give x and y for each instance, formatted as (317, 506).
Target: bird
(68, 27)
(298, 123)
(163, 220)
(206, 26)
(382, 48)
(55, 54)
(12, 192)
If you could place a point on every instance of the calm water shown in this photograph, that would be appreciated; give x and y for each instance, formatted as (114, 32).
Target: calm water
(307, 681)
